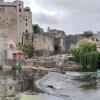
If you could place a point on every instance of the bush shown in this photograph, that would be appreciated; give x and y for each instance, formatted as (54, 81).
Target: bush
(28, 50)
(86, 53)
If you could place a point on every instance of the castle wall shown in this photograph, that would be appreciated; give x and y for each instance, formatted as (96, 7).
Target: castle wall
(40, 41)
(10, 22)
(1, 1)
(14, 20)
(71, 39)
(2, 19)
(43, 42)
(24, 20)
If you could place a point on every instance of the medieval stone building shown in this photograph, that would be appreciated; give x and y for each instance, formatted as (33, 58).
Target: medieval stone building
(43, 43)
(59, 38)
(56, 33)
(15, 19)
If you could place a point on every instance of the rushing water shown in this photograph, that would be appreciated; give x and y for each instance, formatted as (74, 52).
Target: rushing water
(71, 86)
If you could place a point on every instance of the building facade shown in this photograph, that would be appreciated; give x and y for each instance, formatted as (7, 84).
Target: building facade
(59, 38)
(3, 46)
(42, 43)
(15, 19)
(13, 52)
(56, 33)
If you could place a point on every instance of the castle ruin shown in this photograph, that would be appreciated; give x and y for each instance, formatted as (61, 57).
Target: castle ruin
(15, 19)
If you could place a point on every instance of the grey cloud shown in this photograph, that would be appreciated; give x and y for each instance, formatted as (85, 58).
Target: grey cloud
(87, 5)
(79, 15)
(45, 20)
(69, 15)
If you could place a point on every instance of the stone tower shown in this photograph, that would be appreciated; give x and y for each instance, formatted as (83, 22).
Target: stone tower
(1, 1)
(15, 19)
(24, 19)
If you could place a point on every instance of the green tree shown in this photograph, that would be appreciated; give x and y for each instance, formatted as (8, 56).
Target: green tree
(88, 34)
(37, 29)
(86, 53)
(28, 50)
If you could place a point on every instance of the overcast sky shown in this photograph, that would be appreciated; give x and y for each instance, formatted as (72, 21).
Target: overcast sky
(68, 15)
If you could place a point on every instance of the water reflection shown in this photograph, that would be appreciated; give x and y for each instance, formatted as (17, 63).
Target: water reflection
(69, 86)
(88, 82)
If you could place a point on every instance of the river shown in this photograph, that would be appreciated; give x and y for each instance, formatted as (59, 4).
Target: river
(69, 86)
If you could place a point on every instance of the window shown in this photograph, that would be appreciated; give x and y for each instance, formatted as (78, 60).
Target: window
(19, 5)
(26, 19)
(26, 24)
(14, 56)
(26, 31)
(19, 10)
(44, 39)
(11, 46)
(10, 88)
(19, 43)
(20, 21)
(20, 15)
